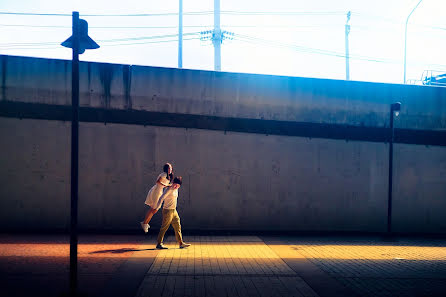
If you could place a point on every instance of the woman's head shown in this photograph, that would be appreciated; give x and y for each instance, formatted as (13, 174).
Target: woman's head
(167, 168)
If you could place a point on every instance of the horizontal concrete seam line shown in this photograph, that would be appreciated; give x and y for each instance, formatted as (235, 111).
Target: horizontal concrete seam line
(222, 274)
(243, 125)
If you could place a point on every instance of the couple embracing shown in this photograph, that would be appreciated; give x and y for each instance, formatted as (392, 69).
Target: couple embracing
(165, 191)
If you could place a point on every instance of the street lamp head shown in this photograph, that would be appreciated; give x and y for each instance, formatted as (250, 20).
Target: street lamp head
(396, 107)
(85, 42)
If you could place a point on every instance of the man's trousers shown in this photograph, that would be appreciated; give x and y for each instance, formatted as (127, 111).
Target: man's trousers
(170, 216)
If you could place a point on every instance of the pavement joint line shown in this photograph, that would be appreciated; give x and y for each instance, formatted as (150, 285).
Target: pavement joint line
(223, 274)
(391, 278)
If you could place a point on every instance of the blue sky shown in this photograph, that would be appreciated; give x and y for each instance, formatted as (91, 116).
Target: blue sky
(295, 38)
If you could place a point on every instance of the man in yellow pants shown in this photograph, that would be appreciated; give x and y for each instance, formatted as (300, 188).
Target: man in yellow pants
(170, 214)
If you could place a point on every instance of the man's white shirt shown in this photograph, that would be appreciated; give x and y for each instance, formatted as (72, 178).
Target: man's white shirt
(169, 198)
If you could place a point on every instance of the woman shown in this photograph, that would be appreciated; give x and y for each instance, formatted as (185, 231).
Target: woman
(163, 180)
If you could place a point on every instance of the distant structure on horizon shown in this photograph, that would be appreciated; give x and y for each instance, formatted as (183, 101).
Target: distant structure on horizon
(433, 78)
(430, 78)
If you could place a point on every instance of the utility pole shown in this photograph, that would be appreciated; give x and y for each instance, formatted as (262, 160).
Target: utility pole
(347, 53)
(180, 35)
(405, 39)
(217, 36)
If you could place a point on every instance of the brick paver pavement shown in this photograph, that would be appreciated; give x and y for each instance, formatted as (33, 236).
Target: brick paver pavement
(128, 266)
(222, 266)
(373, 267)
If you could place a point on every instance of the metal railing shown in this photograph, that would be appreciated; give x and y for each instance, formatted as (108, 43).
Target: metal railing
(433, 78)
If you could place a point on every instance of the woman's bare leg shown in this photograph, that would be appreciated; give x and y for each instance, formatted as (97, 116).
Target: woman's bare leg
(149, 215)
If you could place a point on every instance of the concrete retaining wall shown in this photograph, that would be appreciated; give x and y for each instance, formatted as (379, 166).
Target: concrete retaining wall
(232, 181)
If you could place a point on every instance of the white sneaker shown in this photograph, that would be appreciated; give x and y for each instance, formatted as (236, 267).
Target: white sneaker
(145, 227)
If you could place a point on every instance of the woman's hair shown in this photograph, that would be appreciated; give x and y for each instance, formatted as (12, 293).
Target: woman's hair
(178, 180)
(166, 170)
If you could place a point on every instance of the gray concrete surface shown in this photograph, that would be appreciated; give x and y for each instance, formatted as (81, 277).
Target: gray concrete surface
(232, 181)
(237, 95)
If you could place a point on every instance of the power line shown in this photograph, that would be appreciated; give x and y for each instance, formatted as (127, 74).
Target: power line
(209, 12)
(150, 14)
(35, 14)
(35, 26)
(14, 45)
(161, 41)
(45, 46)
(148, 27)
(304, 49)
(333, 25)
(282, 13)
(228, 12)
(174, 27)
(147, 37)
(109, 15)
(257, 41)
(282, 28)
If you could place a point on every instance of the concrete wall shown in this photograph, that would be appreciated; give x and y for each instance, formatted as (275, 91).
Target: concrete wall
(232, 181)
(222, 94)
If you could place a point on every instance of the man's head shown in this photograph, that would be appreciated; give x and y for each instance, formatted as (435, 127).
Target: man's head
(177, 181)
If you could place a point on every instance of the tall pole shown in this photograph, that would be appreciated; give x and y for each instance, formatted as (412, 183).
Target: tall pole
(74, 153)
(347, 53)
(389, 200)
(216, 40)
(394, 111)
(405, 39)
(180, 35)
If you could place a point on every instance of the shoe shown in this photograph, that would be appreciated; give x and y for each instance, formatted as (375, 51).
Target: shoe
(184, 245)
(160, 246)
(145, 227)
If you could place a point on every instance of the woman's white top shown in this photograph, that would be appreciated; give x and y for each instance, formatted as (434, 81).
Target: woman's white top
(156, 191)
(163, 179)
(169, 198)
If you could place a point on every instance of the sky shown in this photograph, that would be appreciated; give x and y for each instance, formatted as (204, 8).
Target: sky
(281, 37)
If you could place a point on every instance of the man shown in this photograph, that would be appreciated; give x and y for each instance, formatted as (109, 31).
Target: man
(170, 214)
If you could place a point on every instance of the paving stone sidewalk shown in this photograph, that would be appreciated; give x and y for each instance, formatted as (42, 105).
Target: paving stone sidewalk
(222, 266)
(373, 267)
(292, 266)
(116, 265)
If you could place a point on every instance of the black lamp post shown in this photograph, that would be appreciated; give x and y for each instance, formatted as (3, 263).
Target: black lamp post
(79, 42)
(394, 111)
